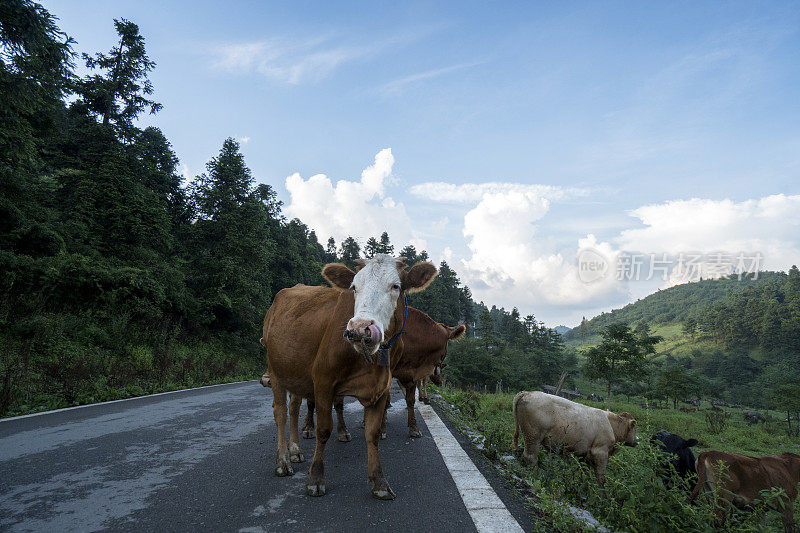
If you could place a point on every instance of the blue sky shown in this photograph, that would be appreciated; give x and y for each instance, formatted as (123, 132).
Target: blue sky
(504, 138)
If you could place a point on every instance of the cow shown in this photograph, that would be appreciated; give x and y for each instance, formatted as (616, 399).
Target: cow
(322, 344)
(424, 349)
(753, 417)
(744, 478)
(678, 451)
(570, 427)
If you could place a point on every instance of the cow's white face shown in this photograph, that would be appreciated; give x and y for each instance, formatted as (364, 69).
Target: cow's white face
(376, 288)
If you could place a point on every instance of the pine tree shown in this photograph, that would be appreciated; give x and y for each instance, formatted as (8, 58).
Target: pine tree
(330, 251)
(231, 247)
(349, 252)
(119, 94)
(371, 248)
(384, 246)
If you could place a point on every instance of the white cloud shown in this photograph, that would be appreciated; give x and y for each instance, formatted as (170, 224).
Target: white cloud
(289, 61)
(397, 86)
(475, 192)
(512, 265)
(360, 209)
(769, 225)
(243, 140)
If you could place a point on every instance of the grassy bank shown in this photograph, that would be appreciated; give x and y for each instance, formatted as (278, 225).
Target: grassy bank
(635, 499)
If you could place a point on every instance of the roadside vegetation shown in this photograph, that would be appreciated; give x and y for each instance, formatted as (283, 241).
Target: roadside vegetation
(635, 498)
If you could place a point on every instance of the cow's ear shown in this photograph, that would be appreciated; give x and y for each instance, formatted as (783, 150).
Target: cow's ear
(418, 277)
(689, 443)
(338, 275)
(456, 333)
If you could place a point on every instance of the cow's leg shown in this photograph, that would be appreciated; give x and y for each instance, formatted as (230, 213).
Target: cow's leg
(411, 393)
(531, 440)
(599, 459)
(373, 416)
(342, 434)
(308, 427)
(788, 516)
(423, 390)
(283, 466)
(295, 453)
(316, 482)
(385, 415)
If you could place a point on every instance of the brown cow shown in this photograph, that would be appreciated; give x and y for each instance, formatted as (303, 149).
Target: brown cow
(745, 477)
(424, 349)
(322, 344)
(567, 426)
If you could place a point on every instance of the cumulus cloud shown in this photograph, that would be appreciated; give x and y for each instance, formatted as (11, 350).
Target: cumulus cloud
(360, 209)
(510, 263)
(769, 226)
(292, 61)
(243, 140)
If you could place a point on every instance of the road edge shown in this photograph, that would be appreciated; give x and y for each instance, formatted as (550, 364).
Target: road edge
(487, 510)
(63, 409)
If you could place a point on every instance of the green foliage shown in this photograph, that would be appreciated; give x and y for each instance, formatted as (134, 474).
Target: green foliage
(620, 356)
(121, 95)
(634, 498)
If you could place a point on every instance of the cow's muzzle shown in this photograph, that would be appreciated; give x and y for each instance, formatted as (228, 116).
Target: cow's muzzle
(364, 336)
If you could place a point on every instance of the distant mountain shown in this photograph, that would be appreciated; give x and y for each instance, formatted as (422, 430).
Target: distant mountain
(675, 304)
(561, 329)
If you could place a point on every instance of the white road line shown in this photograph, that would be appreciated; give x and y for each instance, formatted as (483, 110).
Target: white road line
(486, 509)
(40, 413)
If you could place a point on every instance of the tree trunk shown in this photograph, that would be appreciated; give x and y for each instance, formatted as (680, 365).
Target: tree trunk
(608, 396)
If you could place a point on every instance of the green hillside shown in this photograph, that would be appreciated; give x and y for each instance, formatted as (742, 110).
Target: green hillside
(669, 306)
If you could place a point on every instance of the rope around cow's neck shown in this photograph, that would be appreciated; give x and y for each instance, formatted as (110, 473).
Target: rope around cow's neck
(402, 329)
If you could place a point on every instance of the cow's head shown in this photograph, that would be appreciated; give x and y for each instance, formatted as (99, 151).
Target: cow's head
(377, 287)
(625, 432)
(678, 450)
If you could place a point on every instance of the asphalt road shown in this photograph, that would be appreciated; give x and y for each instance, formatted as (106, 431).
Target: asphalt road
(203, 460)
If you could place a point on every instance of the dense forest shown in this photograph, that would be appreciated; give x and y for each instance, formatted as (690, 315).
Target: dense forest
(121, 278)
(746, 338)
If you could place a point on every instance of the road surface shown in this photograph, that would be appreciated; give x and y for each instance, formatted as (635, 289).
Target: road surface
(203, 459)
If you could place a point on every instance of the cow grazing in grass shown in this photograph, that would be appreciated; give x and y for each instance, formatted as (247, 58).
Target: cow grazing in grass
(563, 425)
(424, 349)
(678, 451)
(322, 344)
(742, 479)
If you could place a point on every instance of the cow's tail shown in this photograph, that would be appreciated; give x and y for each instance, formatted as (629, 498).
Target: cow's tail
(517, 398)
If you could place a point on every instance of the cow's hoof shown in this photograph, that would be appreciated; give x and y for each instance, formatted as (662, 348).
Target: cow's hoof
(284, 469)
(414, 432)
(308, 433)
(383, 435)
(426, 401)
(297, 457)
(344, 436)
(315, 489)
(383, 492)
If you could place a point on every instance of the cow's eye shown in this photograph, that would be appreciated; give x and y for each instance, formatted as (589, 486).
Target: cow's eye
(396, 287)
(354, 288)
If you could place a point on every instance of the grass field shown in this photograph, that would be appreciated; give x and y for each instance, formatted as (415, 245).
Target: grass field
(635, 499)
(675, 341)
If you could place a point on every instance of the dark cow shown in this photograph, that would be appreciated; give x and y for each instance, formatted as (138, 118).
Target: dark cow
(322, 344)
(753, 417)
(679, 453)
(744, 478)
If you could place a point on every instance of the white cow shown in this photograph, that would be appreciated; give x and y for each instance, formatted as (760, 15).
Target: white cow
(567, 426)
